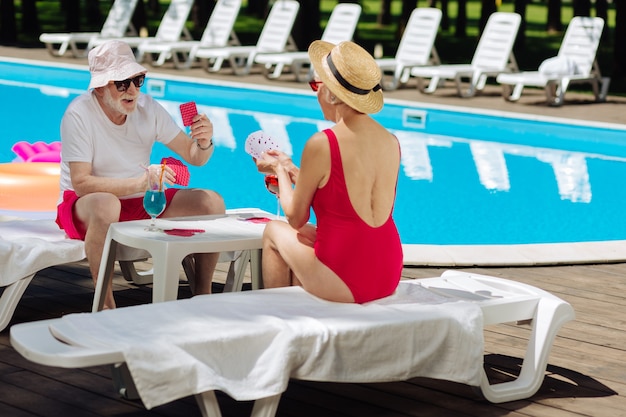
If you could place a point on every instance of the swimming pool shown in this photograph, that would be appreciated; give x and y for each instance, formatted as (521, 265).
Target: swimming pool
(468, 179)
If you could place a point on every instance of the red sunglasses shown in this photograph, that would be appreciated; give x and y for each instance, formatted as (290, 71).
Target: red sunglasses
(315, 85)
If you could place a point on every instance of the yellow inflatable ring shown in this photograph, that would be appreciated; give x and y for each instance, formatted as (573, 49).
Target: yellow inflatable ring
(29, 186)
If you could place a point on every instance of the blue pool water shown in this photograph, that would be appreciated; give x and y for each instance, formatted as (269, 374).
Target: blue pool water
(466, 177)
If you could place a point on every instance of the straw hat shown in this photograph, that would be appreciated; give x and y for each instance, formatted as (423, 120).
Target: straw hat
(112, 61)
(350, 73)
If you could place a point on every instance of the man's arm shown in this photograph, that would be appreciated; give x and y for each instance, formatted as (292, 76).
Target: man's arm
(84, 182)
(198, 148)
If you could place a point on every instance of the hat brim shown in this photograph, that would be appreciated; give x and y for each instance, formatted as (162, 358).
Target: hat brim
(116, 74)
(371, 102)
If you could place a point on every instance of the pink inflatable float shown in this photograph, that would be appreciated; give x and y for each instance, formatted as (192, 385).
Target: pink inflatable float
(37, 152)
(31, 181)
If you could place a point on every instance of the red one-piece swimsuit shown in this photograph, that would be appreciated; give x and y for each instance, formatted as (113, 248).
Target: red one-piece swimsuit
(368, 259)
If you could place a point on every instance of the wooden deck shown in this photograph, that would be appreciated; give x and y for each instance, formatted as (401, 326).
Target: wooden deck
(585, 376)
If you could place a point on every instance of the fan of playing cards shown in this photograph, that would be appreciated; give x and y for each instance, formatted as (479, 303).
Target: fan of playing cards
(259, 142)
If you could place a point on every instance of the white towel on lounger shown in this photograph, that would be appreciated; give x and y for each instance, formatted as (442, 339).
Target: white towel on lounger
(28, 246)
(249, 344)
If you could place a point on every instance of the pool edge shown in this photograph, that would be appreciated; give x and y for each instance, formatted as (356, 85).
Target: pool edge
(570, 253)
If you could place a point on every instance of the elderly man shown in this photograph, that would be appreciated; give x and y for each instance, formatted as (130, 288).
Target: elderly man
(107, 136)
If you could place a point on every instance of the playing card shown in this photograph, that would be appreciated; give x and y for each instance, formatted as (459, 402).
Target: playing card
(259, 142)
(181, 170)
(188, 111)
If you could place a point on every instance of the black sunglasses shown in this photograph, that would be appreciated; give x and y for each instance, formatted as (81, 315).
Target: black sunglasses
(125, 84)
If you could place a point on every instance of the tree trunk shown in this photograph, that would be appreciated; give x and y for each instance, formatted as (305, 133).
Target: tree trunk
(140, 18)
(582, 7)
(258, 8)
(200, 14)
(461, 20)
(307, 26)
(94, 17)
(72, 16)
(407, 8)
(154, 6)
(554, 23)
(520, 41)
(30, 19)
(384, 18)
(602, 10)
(486, 9)
(8, 27)
(619, 43)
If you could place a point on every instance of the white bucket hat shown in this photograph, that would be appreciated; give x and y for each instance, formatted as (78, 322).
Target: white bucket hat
(112, 61)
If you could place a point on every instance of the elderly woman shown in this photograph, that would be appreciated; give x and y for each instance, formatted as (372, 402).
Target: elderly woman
(348, 175)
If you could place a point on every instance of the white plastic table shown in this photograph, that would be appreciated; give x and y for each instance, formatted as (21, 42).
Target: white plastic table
(222, 233)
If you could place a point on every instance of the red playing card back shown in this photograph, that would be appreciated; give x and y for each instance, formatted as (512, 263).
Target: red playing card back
(181, 170)
(188, 111)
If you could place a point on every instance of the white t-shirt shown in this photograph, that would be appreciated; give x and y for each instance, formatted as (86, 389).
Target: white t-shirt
(114, 151)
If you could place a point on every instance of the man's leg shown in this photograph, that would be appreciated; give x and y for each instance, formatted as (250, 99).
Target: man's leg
(194, 202)
(96, 212)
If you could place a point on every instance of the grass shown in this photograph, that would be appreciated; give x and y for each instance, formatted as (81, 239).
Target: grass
(539, 44)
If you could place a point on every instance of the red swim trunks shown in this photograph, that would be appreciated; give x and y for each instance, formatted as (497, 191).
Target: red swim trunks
(132, 209)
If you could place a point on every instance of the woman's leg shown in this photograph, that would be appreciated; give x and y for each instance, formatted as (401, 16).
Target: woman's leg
(289, 257)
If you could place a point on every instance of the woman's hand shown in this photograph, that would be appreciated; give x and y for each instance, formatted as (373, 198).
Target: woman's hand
(272, 161)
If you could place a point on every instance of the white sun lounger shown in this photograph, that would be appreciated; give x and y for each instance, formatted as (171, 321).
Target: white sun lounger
(217, 33)
(275, 37)
(249, 344)
(29, 245)
(171, 28)
(575, 63)
(117, 24)
(416, 48)
(26, 247)
(493, 56)
(340, 27)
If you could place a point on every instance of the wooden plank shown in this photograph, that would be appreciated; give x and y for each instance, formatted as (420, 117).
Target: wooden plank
(585, 372)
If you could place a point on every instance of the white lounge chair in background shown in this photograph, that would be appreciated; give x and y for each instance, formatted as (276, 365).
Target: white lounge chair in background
(493, 56)
(171, 28)
(340, 27)
(275, 37)
(575, 63)
(416, 48)
(117, 24)
(250, 344)
(218, 33)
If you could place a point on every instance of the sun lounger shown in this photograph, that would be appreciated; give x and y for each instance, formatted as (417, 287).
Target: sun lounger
(341, 26)
(249, 344)
(275, 37)
(416, 48)
(171, 28)
(218, 33)
(493, 56)
(117, 24)
(575, 63)
(28, 246)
